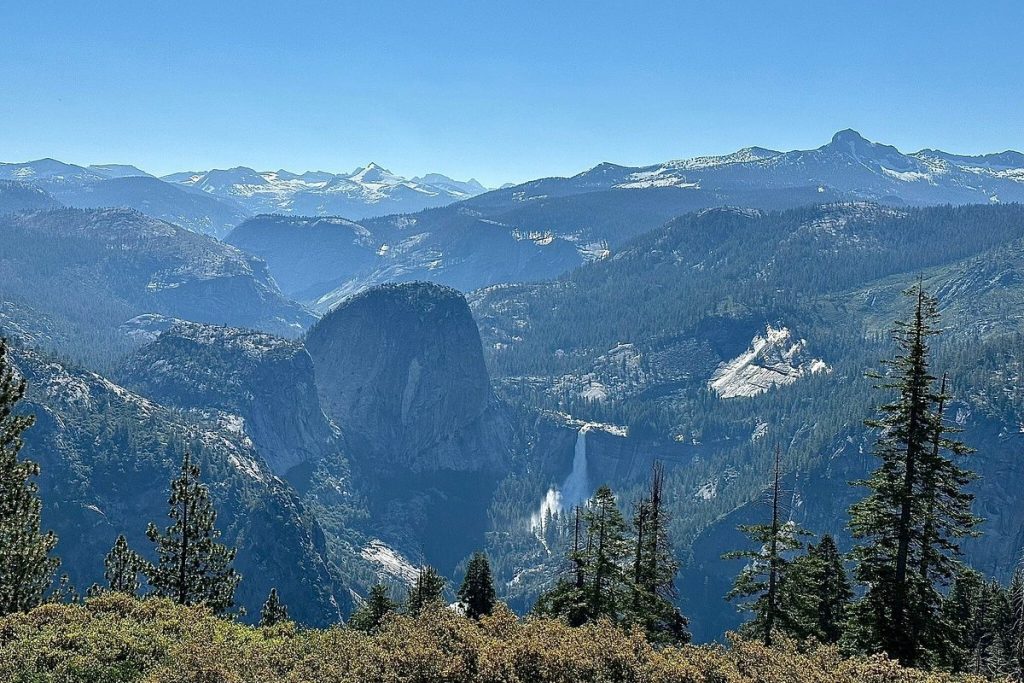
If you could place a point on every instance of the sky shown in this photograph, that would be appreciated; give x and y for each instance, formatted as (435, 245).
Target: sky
(500, 91)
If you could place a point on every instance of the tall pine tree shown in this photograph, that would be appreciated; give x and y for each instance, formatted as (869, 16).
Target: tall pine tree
(426, 591)
(27, 566)
(606, 592)
(477, 590)
(274, 611)
(916, 509)
(122, 568)
(567, 598)
(370, 615)
(192, 567)
(600, 583)
(760, 581)
(655, 567)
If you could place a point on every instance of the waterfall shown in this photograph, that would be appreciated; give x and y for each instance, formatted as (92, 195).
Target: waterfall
(574, 490)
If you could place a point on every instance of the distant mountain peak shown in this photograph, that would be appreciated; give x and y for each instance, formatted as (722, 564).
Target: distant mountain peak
(374, 173)
(849, 136)
(119, 171)
(851, 142)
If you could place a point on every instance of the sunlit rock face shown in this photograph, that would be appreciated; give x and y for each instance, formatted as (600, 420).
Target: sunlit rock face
(772, 360)
(400, 369)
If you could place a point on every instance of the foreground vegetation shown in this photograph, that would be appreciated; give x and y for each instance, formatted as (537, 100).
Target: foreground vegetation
(114, 638)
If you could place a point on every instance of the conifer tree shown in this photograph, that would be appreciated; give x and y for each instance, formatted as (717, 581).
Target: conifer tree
(606, 592)
(833, 592)
(916, 508)
(817, 592)
(477, 590)
(1015, 626)
(600, 581)
(767, 568)
(273, 611)
(122, 567)
(426, 591)
(370, 615)
(567, 598)
(192, 567)
(27, 566)
(655, 567)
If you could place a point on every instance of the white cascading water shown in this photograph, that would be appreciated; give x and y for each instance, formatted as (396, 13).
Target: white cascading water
(573, 491)
(576, 488)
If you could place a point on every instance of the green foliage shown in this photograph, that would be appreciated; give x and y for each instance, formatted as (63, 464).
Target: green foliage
(122, 568)
(426, 591)
(655, 567)
(26, 563)
(767, 570)
(274, 611)
(978, 621)
(477, 590)
(817, 593)
(116, 639)
(371, 615)
(192, 567)
(615, 578)
(916, 509)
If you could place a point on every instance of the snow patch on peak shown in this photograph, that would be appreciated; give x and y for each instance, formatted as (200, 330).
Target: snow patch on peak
(773, 359)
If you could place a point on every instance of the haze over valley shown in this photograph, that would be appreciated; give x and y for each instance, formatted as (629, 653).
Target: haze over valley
(492, 409)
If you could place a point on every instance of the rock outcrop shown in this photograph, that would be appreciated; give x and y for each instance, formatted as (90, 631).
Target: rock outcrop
(400, 369)
(107, 457)
(266, 381)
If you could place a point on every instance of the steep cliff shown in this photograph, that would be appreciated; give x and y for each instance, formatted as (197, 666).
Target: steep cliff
(400, 370)
(265, 380)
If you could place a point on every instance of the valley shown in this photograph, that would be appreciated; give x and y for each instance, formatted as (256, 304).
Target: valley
(379, 374)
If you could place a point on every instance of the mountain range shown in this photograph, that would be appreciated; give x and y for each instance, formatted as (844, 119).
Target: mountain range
(539, 229)
(214, 201)
(368, 191)
(368, 395)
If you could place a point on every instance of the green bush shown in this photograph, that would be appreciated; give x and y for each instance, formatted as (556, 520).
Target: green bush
(117, 639)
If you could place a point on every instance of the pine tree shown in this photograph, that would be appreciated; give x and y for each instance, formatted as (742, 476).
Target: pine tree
(1015, 627)
(192, 567)
(274, 611)
(606, 592)
(567, 598)
(427, 590)
(978, 620)
(655, 568)
(833, 594)
(916, 509)
(26, 564)
(817, 593)
(370, 616)
(122, 567)
(767, 569)
(477, 590)
(598, 585)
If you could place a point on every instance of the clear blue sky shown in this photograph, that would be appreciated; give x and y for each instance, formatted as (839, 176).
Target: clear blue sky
(503, 91)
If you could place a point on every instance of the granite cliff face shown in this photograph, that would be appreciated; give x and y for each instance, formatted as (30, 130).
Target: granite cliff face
(264, 380)
(400, 369)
